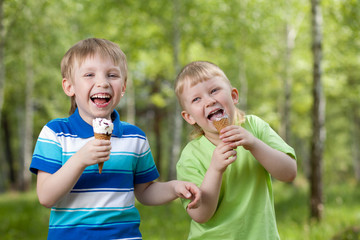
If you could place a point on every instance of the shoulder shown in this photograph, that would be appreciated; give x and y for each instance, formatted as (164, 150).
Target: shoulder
(253, 119)
(58, 122)
(59, 125)
(194, 161)
(195, 145)
(197, 150)
(255, 125)
(130, 129)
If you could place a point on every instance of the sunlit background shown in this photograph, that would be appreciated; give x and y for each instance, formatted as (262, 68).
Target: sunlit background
(264, 47)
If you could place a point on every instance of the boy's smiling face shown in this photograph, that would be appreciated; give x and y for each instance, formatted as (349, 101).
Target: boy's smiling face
(98, 85)
(207, 100)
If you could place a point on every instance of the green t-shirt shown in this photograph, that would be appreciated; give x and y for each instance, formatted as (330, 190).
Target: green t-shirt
(246, 205)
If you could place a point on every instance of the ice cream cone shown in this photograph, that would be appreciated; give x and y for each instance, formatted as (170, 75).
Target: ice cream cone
(101, 137)
(221, 123)
(102, 130)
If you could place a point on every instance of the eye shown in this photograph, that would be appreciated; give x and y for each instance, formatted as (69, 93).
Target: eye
(195, 99)
(113, 75)
(89, 75)
(214, 90)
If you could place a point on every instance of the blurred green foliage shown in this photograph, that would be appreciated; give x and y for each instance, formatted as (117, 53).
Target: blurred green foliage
(22, 217)
(245, 38)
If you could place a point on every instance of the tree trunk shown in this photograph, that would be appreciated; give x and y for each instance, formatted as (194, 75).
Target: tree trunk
(287, 83)
(27, 142)
(157, 122)
(243, 86)
(2, 62)
(178, 122)
(318, 115)
(2, 83)
(8, 155)
(356, 141)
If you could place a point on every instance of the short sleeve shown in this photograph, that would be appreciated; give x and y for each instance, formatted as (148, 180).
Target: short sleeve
(47, 154)
(146, 170)
(262, 130)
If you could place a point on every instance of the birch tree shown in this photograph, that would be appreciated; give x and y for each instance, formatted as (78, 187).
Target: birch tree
(178, 121)
(318, 115)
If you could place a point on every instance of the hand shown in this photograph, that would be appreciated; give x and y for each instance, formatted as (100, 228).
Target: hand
(223, 155)
(93, 152)
(188, 190)
(237, 136)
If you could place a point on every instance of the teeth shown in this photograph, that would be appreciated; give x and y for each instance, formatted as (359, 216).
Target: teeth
(100, 96)
(213, 113)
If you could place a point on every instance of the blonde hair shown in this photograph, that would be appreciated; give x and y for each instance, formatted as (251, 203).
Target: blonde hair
(194, 73)
(88, 48)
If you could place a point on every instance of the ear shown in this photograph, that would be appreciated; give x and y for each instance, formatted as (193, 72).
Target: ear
(68, 87)
(235, 95)
(123, 89)
(187, 117)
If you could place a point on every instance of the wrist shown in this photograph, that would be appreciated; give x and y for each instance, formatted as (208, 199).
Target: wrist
(215, 171)
(173, 184)
(76, 163)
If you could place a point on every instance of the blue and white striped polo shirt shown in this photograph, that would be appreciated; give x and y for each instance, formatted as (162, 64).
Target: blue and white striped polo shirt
(100, 206)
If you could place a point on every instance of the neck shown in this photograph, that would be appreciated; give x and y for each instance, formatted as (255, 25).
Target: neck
(213, 138)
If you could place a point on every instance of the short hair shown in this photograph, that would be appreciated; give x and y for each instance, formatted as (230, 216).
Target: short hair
(196, 72)
(88, 48)
(201, 71)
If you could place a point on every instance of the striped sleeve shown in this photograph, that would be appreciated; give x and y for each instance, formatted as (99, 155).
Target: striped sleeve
(145, 169)
(47, 153)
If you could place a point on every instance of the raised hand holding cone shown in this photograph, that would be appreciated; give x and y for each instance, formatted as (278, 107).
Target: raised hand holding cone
(102, 130)
(221, 123)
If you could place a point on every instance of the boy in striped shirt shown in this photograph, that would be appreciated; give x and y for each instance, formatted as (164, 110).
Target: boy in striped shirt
(85, 204)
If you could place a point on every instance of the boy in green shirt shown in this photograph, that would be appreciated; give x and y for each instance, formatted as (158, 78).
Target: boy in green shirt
(234, 167)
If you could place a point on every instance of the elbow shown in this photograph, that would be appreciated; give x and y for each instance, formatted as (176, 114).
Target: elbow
(200, 219)
(290, 173)
(286, 177)
(45, 202)
(290, 177)
(47, 205)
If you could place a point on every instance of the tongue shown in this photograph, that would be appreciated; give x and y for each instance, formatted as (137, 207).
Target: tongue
(100, 100)
(218, 114)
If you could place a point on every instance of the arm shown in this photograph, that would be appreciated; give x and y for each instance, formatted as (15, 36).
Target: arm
(223, 156)
(278, 164)
(52, 187)
(158, 193)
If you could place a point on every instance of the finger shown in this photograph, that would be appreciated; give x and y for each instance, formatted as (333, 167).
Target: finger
(185, 193)
(231, 159)
(195, 191)
(99, 142)
(105, 149)
(230, 154)
(235, 144)
(102, 159)
(195, 202)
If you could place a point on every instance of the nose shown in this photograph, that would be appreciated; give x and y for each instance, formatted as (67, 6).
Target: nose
(210, 101)
(102, 82)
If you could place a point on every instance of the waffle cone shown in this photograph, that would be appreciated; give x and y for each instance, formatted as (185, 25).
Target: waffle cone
(221, 123)
(102, 136)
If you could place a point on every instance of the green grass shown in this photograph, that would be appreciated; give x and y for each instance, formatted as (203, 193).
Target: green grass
(341, 211)
(22, 217)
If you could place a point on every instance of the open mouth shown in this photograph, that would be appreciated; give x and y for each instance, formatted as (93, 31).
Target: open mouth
(216, 114)
(100, 99)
